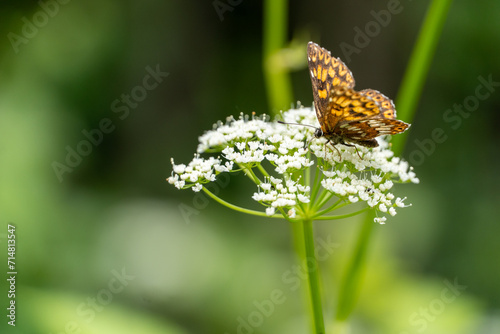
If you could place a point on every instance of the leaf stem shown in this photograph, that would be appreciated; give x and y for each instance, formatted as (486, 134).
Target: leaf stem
(418, 66)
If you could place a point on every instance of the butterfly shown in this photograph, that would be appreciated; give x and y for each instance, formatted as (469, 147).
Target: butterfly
(344, 114)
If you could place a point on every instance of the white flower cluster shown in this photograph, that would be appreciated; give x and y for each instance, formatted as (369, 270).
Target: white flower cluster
(198, 171)
(372, 190)
(353, 174)
(277, 193)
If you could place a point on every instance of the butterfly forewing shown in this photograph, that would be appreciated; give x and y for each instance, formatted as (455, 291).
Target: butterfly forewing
(326, 72)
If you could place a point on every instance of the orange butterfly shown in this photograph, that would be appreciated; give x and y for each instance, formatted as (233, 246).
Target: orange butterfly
(343, 113)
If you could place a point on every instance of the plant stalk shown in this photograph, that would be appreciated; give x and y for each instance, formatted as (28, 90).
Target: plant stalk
(304, 242)
(418, 66)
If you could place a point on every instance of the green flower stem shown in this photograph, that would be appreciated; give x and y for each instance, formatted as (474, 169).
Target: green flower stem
(316, 185)
(307, 176)
(406, 102)
(249, 172)
(238, 208)
(307, 173)
(262, 170)
(335, 206)
(418, 66)
(324, 198)
(277, 78)
(304, 244)
(350, 283)
(347, 215)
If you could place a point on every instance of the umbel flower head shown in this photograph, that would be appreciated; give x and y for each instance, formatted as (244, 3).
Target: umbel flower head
(293, 181)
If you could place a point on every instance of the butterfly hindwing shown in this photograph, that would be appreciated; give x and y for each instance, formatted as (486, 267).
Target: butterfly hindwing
(371, 128)
(348, 104)
(387, 108)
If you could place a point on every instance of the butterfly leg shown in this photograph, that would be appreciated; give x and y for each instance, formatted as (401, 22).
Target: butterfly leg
(352, 145)
(340, 155)
(308, 143)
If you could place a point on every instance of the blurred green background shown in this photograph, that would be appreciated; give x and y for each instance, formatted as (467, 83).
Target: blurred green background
(105, 245)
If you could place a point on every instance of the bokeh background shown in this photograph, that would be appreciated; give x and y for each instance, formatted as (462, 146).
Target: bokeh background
(107, 246)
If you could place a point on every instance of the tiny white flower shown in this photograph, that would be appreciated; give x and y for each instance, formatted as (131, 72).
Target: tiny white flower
(179, 169)
(275, 180)
(276, 138)
(291, 213)
(303, 189)
(197, 187)
(265, 186)
(329, 174)
(392, 211)
(400, 202)
(364, 196)
(270, 211)
(302, 198)
(386, 185)
(241, 145)
(194, 177)
(173, 179)
(376, 179)
(353, 199)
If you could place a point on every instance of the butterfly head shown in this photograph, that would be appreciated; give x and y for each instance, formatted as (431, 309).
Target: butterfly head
(318, 133)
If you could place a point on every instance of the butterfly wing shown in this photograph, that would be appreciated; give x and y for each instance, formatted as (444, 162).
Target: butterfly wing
(344, 113)
(363, 116)
(370, 128)
(326, 72)
(387, 108)
(346, 105)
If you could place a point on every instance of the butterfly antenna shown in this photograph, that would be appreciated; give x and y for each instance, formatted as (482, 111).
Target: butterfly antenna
(311, 126)
(306, 145)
